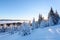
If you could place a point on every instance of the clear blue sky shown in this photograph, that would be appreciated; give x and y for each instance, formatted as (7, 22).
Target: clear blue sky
(27, 9)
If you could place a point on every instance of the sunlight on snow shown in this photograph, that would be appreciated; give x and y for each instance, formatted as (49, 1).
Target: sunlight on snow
(50, 30)
(58, 30)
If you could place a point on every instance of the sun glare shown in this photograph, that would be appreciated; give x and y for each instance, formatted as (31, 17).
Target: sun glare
(45, 18)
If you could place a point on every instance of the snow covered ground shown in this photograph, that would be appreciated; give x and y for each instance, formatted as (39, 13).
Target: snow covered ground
(48, 33)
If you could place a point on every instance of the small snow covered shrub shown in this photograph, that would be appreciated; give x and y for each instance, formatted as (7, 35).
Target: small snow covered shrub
(15, 29)
(44, 23)
(25, 29)
(10, 29)
(2, 29)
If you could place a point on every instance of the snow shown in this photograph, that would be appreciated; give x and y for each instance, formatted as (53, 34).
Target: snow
(2, 22)
(33, 24)
(48, 33)
(50, 21)
(25, 29)
(43, 24)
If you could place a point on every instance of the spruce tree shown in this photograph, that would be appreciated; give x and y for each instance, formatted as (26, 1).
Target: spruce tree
(33, 24)
(51, 17)
(56, 18)
(40, 19)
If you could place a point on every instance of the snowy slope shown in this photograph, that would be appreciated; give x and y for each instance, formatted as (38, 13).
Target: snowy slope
(48, 33)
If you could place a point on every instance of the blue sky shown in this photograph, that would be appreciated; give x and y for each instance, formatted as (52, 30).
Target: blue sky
(27, 9)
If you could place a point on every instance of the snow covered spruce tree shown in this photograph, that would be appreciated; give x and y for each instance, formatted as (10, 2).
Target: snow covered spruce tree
(12, 30)
(44, 23)
(2, 29)
(25, 29)
(53, 18)
(50, 21)
(56, 18)
(59, 21)
(8, 29)
(40, 19)
(33, 24)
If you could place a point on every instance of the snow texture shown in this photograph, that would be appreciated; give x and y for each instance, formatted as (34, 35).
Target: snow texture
(49, 33)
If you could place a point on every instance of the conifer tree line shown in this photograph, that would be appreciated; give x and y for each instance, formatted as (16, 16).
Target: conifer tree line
(53, 19)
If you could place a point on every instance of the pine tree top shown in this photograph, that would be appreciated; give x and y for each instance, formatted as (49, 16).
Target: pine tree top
(51, 10)
(51, 13)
